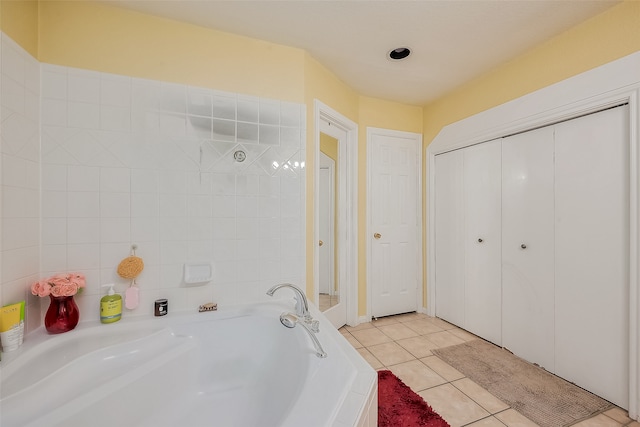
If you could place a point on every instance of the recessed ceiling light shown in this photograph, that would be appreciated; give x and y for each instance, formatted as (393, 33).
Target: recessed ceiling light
(399, 53)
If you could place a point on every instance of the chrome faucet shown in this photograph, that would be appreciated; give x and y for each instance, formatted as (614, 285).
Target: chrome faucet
(302, 306)
(301, 317)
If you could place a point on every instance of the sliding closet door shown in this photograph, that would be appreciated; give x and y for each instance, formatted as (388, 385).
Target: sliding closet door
(592, 244)
(449, 237)
(482, 242)
(527, 246)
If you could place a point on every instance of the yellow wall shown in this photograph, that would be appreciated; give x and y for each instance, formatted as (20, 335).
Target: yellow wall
(389, 115)
(19, 20)
(329, 146)
(606, 37)
(114, 40)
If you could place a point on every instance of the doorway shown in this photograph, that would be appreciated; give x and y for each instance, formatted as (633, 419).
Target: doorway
(336, 275)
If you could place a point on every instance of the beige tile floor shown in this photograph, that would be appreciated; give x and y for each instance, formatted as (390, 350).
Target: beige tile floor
(403, 345)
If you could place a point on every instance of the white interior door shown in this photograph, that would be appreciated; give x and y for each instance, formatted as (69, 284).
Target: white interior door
(527, 246)
(449, 237)
(592, 253)
(326, 211)
(394, 195)
(483, 240)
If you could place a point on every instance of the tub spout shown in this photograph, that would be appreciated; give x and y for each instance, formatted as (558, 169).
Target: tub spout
(302, 306)
(302, 317)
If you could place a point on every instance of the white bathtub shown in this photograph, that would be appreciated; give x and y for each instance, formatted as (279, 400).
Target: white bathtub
(234, 367)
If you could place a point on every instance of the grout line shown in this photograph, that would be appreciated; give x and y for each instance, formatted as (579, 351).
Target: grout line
(484, 418)
(475, 401)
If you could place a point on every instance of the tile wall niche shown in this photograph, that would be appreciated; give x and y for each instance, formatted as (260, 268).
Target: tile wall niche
(132, 161)
(19, 177)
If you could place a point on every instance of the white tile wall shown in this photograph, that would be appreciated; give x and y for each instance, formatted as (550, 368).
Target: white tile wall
(130, 161)
(20, 178)
(93, 163)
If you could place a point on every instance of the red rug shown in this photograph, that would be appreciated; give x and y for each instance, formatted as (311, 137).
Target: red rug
(399, 406)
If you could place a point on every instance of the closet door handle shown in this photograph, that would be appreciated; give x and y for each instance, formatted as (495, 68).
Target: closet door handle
(480, 240)
(377, 235)
(523, 246)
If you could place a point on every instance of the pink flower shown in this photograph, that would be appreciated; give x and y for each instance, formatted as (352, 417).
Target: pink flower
(59, 285)
(64, 290)
(78, 279)
(57, 280)
(41, 289)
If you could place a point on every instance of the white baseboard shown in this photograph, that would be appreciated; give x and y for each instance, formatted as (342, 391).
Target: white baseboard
(364, 319)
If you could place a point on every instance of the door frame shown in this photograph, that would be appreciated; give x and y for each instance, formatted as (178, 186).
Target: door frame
(605, 86)
(348, 201)
(417, 139)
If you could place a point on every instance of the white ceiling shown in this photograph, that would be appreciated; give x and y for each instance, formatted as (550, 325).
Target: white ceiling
(452, 41)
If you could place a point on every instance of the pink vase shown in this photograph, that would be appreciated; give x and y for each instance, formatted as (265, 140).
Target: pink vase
(62, 315)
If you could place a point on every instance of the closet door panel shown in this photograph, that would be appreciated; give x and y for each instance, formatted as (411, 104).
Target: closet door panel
(483, 222)
(527, 246)
(592, 241)
(449, 237)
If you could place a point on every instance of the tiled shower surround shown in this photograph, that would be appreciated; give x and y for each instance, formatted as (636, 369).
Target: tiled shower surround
(19, 177)
(129, 161)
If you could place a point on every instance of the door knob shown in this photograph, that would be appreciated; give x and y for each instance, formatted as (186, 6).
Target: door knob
(480, 240)
(377, 236)
(523, 246)
(320, 243)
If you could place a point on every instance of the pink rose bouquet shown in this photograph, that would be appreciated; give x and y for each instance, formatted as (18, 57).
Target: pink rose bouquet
(60, 285)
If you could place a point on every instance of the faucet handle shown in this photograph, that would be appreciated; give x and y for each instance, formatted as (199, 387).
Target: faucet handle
(315, 326)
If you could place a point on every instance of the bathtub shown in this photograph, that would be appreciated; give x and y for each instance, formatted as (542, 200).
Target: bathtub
(237, 366)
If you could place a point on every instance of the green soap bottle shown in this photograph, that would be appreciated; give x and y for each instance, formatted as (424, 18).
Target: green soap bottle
(110, 306)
